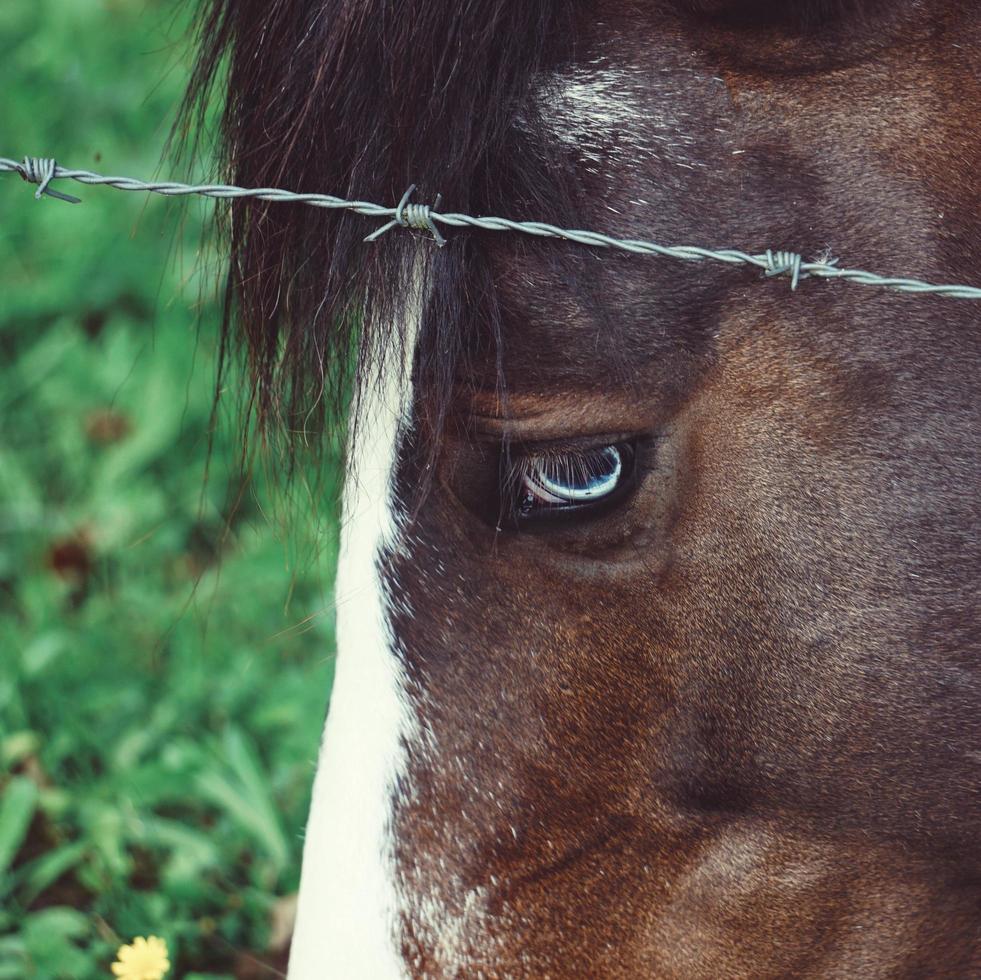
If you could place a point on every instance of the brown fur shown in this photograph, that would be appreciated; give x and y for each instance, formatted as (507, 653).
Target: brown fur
(732, 729)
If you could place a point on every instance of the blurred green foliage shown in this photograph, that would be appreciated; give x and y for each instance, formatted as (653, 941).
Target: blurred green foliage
(165, 627)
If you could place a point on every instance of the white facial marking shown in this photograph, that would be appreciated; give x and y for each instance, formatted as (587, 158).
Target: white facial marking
(346, 925)
(621, 114)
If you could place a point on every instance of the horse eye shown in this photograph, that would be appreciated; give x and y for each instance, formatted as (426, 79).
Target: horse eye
(559, 484)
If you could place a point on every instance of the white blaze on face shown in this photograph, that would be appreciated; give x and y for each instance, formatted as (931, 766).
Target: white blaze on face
(347, 913)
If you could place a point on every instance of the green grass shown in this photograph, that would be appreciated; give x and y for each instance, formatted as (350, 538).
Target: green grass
(165, 639)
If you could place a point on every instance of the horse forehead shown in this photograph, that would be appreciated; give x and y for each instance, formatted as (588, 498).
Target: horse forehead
(626, 113)
(635, 138)
(675, 143)
(615, 99)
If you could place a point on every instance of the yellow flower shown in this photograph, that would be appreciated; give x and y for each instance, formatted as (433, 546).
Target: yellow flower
(142, 959)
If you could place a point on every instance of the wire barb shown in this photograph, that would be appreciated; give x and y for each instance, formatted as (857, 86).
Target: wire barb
(41, 171)
(785, 263)
(408, 215)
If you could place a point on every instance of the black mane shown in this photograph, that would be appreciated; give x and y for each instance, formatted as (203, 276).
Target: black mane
(360, 98)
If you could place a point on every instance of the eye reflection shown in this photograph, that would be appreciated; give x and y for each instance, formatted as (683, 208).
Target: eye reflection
(554, 483)
(566, 478)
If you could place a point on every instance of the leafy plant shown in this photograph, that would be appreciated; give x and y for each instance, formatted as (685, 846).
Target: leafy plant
(165, 616)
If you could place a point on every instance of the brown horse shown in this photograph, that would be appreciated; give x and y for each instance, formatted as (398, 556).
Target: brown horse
(657, 605)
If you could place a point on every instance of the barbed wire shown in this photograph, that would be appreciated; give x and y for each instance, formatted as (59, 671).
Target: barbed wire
(42, 171)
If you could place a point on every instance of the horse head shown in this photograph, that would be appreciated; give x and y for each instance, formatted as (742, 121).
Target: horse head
(657, 600)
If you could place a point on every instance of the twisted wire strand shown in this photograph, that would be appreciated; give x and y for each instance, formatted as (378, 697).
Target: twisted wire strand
(407, 215)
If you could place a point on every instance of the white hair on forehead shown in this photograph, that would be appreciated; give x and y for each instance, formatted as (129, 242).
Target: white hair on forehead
(621, 114)
(347, 917)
